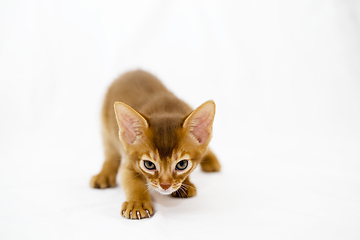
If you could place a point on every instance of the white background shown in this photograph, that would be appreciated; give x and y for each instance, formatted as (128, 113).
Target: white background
(285, 76)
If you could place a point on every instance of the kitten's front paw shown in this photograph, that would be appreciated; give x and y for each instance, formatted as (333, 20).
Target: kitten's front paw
(103, 180)
(185, 191)
(137, 209)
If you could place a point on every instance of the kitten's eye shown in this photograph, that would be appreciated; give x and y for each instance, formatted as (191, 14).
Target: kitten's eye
(182, 165)
(149, 165)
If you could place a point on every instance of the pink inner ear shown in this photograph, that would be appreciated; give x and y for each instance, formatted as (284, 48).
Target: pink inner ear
(200, 128)
(129, 129)
(131, 123)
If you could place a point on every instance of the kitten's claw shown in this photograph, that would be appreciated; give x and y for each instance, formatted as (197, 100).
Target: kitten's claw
(138, 215)
(137, 209)
(148, 214)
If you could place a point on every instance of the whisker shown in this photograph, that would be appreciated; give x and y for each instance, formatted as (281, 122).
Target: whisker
(150, 188)
(188, 186)
(147, 189)
(136, 176)
(183, 190)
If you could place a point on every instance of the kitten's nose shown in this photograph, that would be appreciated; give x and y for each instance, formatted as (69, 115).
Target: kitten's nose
(165, 185)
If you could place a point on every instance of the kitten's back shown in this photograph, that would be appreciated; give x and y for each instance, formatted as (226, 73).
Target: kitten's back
(134, 88)
(146, 94)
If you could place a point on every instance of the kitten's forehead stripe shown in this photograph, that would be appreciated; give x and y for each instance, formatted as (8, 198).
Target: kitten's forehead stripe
(166, 135)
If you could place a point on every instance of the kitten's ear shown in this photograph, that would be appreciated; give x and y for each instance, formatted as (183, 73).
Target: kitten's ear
(131, 124)
(199, 122)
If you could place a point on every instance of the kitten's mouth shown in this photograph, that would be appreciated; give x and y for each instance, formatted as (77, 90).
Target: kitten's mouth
(168, 191)
(165, 192)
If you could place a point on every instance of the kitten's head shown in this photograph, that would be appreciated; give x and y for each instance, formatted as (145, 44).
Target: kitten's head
(165, 148)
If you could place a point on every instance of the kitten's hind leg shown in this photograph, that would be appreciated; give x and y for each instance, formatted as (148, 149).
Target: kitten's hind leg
(210, 163)
(107, 176)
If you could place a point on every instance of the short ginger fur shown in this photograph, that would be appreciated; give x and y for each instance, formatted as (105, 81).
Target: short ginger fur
(144, 124)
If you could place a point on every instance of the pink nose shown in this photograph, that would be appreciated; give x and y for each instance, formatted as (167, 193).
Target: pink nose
(165, 185)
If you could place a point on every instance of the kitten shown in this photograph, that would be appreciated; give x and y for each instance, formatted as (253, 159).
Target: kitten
(159, 137)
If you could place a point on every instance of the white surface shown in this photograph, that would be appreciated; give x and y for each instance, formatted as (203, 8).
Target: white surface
(286, 79)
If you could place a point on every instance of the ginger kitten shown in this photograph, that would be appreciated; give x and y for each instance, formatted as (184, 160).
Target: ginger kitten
(160, 139)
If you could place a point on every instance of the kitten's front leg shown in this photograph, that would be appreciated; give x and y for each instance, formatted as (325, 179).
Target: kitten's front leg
(186, 190)
(138, 204)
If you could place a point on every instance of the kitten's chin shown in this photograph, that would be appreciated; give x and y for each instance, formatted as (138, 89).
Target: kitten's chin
(165, 192)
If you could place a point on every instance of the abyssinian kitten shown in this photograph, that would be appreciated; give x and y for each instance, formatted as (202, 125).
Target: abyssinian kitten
(160, 139)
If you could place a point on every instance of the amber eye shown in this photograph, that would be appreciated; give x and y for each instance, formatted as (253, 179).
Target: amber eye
(149, 165)
(182, 165)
